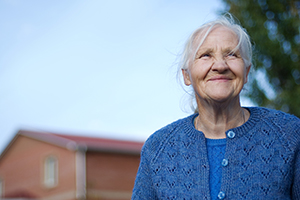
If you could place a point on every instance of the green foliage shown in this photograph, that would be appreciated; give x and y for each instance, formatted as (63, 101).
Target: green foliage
(274, 28)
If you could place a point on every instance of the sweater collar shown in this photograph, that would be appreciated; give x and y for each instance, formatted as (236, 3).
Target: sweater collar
(254, 118)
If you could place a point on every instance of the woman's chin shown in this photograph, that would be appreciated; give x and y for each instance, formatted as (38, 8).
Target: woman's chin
(222, 98)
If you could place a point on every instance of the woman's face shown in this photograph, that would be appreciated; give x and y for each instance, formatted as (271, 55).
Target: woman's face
(217, 74)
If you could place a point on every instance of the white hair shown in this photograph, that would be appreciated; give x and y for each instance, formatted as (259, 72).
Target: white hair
(193, 44)
(198, 37)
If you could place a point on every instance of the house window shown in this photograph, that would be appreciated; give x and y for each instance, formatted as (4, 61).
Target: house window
(51, 171)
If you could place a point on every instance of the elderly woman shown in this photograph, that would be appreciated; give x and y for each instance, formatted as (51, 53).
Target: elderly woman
(223, 151)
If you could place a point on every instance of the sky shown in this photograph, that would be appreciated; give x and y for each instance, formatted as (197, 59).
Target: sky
(94, 68)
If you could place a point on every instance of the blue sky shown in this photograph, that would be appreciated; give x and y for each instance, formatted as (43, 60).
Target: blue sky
(94, 68)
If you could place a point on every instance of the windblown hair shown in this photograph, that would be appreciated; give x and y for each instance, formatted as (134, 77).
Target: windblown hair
(199, 35)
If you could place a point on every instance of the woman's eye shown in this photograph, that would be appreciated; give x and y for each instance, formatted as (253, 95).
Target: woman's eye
(205, 55)
(231, 54)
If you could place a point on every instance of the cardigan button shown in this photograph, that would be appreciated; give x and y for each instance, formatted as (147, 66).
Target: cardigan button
(231, 134)
(224, 162)
(221, 195)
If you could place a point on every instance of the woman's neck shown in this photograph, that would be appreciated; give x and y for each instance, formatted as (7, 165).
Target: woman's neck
(214, 120)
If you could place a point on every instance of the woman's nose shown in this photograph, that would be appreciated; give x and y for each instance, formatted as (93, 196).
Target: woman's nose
(219, 65)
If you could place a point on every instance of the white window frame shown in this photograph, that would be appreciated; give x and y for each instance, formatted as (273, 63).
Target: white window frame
(1, 188)
(50, 171)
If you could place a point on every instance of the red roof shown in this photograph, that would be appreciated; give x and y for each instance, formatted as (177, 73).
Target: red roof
(73, 142)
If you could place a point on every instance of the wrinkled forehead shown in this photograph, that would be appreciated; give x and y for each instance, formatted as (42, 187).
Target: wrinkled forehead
(203, 34)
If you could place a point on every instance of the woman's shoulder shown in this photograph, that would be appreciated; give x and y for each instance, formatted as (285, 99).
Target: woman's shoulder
(286, 126)
(168, 131)
(277, 116)
(159, 138)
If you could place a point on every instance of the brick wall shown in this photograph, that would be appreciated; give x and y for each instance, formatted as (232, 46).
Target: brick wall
(110, 176)
(22, 170)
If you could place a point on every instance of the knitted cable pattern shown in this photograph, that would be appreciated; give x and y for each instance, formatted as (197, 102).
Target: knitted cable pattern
(263, 160)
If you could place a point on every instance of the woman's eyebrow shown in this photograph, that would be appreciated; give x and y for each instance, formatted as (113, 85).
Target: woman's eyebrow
(231, 49)
(204, 50)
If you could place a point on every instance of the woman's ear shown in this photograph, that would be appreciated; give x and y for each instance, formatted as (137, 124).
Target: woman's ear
(247, 73)
(186, 77)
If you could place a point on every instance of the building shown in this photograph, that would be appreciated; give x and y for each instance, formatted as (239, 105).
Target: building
(48, 166)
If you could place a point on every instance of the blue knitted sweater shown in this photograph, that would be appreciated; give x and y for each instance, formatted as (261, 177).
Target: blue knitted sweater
(262, 160)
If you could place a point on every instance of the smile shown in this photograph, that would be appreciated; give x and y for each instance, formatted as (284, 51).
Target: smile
(219, 78)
